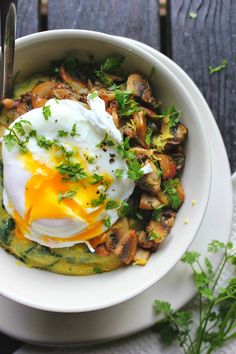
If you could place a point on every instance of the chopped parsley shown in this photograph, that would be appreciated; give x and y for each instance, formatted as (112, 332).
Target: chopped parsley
(72, 171)
(47, 112)
(170, 188)
(67, 195)
(154, 235)
(107, 68)
(119, 173)
(105, 142)
(126, 104)
(12, 138)
(107, 222)
(125, 209)
(173, 116)
(148, 138)
(134, 170)
(101, 199)
(93, 95)
(73, 131)
(216, 69)
(96, 178)
(111, 204)
(62, 133)
(125, 151)
(156, 214)
(43, 142)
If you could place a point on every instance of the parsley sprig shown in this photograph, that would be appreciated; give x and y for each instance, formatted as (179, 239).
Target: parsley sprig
(47, 112)
(72, 171)
(67, 195)
(107, 68)
(16, 133)
(126, 104)
(170, 188)
(217, 306)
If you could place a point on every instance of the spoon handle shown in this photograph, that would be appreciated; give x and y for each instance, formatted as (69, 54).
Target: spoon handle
(8, 28)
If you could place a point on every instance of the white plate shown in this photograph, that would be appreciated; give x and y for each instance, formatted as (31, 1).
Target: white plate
(43, 327)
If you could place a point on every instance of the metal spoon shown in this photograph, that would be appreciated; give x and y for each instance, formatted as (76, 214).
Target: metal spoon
(8, 28)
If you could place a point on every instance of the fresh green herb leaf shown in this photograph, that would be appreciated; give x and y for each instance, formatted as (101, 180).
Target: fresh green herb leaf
(153, 235)
(134, 170)
(173, 116)
(67, 195)
(125, 151)
(170, 188)
(111, 204)
(192, 15)
(126, 104)
(107, 222)
(119, 173)
(61, 133)
(73, 130)
(157, 212)
(47, 112)
(72, 171)
(93, 95)
(217, 307)
(105, 142)
(148, 138)
(216, 69)
(95, 179)
(91, 159)
(101, 199)
(43, 142)
(19, 126)
(107, 68)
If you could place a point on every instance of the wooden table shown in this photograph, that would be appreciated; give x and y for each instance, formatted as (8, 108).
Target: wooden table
(196, 34)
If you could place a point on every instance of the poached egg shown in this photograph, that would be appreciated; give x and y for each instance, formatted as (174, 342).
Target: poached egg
(63, 185)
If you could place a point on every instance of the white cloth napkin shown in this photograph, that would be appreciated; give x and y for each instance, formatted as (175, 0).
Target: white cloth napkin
(145, 342)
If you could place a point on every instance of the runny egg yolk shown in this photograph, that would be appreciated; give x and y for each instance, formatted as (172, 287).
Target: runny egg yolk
(42, 200)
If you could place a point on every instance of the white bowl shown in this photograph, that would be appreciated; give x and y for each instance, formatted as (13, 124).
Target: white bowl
(53, 292)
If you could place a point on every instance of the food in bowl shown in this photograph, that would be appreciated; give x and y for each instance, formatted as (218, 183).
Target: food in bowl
(91, 169)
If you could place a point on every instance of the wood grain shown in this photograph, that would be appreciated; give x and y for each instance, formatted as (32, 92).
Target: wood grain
(203, 41)
(27, 17)
(137, 19)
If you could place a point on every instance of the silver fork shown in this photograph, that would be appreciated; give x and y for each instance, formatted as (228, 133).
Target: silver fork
(8, 32)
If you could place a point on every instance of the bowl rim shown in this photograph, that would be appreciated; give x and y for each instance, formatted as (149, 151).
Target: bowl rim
(75, 33)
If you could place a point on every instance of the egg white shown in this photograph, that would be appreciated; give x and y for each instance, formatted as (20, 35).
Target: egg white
(92, 125)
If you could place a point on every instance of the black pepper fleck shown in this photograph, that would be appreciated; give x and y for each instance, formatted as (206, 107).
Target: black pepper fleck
(112, 160)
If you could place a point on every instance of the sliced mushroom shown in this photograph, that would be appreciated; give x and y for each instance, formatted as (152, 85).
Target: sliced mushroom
(141, 127)
(42, 89)
(168, 217)
(139, 86)
(179, 160)
(8, 103)
(145, 242)
(118, 230)
(141, 257)
(63, 91)
(142, 153)
(101, 250)
(148, 202)
(112, 110)
(106, 95)
(77, 85)
(151, 182)
(179, 134)
(100, 239)
(167, 166)
(180, 192)
(149, 113)
(158, 231)
(127, 246)
(163, 197)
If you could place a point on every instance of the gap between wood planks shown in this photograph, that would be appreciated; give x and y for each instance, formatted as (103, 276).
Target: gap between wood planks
(164, 27)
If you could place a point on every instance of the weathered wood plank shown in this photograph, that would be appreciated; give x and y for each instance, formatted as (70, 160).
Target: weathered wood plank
(131, 18)
(27, 17)
(207, 40)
